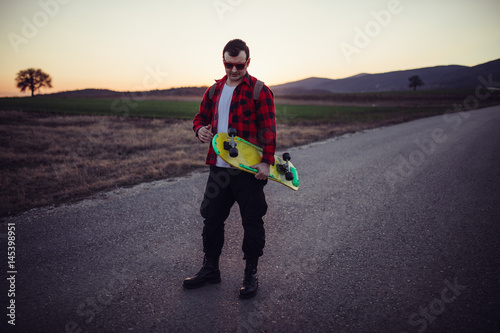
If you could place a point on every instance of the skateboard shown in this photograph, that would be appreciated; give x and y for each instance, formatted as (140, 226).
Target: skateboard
(241, 154)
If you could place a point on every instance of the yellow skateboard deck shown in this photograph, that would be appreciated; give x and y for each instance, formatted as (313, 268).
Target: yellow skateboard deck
(246, 154)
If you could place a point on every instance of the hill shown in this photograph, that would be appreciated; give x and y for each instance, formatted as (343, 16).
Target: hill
(86, 93)
(434, 78)
(105, 93)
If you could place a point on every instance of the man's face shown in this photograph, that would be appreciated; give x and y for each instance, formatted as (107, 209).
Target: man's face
(234, 75)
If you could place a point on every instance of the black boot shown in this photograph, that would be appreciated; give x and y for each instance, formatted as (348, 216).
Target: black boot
(250, 281)
(209, 273)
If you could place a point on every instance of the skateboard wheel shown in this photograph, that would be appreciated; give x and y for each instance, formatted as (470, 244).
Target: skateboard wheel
(233, 152)
(227, 146)
(231, 131)
(287, 157)
(289, 176)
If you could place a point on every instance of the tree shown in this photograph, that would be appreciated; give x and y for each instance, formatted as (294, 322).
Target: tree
(415, 82)
(33, 79)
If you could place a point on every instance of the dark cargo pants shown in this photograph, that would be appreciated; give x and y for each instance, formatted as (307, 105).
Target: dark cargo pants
(224, 188)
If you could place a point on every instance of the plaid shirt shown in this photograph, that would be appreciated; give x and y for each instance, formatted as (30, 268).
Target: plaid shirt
(255, 121)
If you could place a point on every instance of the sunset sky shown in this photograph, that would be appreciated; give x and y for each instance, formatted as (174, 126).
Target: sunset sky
(159, 44)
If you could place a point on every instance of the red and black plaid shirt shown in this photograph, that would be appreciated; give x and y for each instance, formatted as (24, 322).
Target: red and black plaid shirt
(255, 121)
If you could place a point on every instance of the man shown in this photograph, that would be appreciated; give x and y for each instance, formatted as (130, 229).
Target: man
(233, 105)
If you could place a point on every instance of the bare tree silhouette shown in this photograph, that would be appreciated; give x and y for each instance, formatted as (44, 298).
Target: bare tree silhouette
(415, 82)
(33, 79)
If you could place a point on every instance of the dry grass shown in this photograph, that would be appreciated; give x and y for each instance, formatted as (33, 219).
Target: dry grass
(48, 159)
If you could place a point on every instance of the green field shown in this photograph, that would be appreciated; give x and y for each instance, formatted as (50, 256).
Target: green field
(347, 114)
(104, 107)
(187, 110)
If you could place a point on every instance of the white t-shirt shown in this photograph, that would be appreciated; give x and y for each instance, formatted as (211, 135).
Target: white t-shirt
(223, 121)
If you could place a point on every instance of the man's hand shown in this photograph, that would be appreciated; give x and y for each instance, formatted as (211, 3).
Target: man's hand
(205, 134)
(264, 170)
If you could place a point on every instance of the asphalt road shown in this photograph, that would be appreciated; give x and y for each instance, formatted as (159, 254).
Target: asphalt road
(392, 230)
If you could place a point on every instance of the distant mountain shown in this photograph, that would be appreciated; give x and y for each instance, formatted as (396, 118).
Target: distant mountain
(179, 92)
(440, 77)
(86, 93)
(105, 93)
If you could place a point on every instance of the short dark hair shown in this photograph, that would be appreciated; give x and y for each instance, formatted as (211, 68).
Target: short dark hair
(234, 47)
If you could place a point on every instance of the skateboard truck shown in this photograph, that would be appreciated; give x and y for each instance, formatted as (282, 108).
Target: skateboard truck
(231, 146)
(285, 168)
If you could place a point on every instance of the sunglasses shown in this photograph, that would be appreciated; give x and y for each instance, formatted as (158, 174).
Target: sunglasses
(230, 65)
